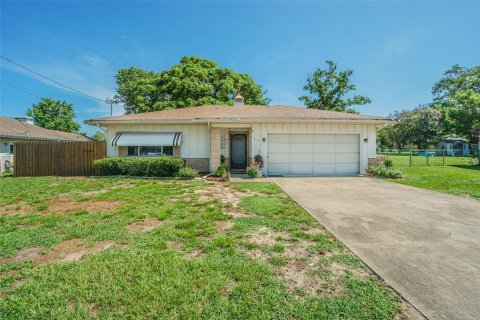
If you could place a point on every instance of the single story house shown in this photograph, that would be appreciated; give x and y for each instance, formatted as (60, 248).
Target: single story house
(22, 129)
(453, 146)
(291, 140)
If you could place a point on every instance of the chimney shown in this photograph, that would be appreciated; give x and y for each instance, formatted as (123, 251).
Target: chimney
(238, 100)
(25, 120)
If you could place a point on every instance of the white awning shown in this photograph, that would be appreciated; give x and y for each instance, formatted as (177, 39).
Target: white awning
(147, 139)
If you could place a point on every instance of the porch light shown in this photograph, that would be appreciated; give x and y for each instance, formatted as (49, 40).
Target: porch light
(365, 140)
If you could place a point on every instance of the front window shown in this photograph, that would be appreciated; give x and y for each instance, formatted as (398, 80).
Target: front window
(150, 151)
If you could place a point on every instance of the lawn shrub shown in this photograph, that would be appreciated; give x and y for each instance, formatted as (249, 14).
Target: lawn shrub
(382, 167)
(252, 171)
(187, 172)
(222, 171)
(148, 167)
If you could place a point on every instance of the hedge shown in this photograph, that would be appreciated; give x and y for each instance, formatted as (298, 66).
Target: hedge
(148, 167)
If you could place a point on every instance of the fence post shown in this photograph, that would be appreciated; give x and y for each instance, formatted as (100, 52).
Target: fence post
(426, 155)
(410, 160)
(443, 156)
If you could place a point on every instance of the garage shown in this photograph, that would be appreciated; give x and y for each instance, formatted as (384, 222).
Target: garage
(313, 154)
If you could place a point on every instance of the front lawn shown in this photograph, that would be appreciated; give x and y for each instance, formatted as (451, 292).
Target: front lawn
(77, 248)
(457, 177)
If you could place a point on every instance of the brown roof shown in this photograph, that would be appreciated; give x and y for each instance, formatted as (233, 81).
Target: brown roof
(13, 128)
(211, 112)
(475, 129)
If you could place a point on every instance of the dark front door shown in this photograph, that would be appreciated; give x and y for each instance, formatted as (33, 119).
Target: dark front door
(238, 151)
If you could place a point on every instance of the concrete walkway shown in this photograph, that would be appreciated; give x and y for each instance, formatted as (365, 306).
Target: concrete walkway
(425, 244)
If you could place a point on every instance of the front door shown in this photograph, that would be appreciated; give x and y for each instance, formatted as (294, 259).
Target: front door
(238, 151)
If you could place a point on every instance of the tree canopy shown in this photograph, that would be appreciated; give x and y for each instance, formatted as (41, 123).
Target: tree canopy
(327, 89)
(457, 95)
(99, 136)
(194, 81)
(54, 114)
(420, 127)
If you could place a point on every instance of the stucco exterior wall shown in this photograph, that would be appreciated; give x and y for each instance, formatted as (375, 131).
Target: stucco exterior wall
(195, 138)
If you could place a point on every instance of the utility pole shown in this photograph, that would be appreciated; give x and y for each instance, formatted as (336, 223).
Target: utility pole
(111, 102)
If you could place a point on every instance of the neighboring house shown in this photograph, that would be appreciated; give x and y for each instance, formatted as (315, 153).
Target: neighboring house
(476, 133)
(22, 129)
(291, 140)
(453, 146)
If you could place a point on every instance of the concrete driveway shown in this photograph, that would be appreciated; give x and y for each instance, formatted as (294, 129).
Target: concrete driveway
(425, 244)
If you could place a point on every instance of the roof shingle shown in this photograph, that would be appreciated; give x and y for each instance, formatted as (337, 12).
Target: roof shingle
(250, 112)
(13, 128)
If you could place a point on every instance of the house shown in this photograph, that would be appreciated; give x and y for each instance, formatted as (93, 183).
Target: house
(291, 140)
(22, 129)
(453, 146)
(476, 133)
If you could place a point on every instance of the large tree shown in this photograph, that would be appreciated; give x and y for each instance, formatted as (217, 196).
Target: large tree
(327, 89)
(457, 95)
(54, 114)
(194, 81)
(420, 127)
(99, 136)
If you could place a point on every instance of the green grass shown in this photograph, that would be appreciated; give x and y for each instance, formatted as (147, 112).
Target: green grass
(459, 176)
(157, 274)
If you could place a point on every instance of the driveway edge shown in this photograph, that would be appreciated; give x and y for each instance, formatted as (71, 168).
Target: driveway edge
(354, 253)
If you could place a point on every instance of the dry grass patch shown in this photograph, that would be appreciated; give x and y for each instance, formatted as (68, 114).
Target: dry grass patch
(17, 208)
(145, 225)
(67, 205)
(222, 191)
(66, 251)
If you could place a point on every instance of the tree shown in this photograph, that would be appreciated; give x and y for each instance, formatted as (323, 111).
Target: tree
(420, 127)
(99, 136)
(54, 114)
(194, 81)
(327, 89)
(457, 96)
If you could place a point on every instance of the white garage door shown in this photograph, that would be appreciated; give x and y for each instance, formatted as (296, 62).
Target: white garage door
(313, 154)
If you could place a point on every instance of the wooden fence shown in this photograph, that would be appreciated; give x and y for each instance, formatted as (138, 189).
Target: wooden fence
(56, 158)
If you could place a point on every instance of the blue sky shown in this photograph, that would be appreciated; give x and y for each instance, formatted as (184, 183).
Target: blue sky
(397, 50)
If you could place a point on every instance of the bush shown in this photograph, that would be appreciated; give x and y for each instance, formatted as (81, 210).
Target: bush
(382, 171)
(388, 163)
(259, 161)
(187, 172)
(252, 171)
(148, 167)
(222, 171)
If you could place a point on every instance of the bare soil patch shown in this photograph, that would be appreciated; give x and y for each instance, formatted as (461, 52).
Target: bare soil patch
(66, 251)
(67, 205)
(302, 272)
(60, 205)
(224, 225)
(409, 313)
(145, 225)
(224, 192)
(16, 208)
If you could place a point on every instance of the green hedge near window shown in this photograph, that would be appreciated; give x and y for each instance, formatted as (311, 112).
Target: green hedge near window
(146, 167)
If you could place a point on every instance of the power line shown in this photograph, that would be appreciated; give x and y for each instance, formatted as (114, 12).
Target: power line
(51, 80)
(18, 88)
(37, 96)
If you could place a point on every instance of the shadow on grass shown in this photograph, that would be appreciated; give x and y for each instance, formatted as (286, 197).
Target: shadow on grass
(471, 167)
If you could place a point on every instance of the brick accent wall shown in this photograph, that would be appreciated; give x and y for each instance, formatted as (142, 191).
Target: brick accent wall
(201, 164)
(214, 148)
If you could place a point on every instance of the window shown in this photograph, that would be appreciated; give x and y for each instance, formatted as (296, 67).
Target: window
(150, 151)
(11, 148)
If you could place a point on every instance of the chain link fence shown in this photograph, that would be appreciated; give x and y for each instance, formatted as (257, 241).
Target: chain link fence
(431, 157)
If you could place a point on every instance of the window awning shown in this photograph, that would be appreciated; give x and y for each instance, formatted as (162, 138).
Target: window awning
(124, 139)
